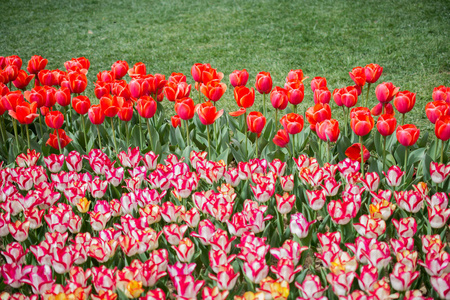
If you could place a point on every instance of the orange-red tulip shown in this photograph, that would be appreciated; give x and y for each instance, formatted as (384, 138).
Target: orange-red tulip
(96, 115)
(318, 82)
(174, 91)
(408, 134)
(442, 128)
(177, 77)
(361, 121)
(239, 78)
(139, 69)
(322, 95)
(185, 108)
(386, 91)
(120, 89)
(176, 121)
(77, 82)
(404, 101)
(358, 75)
(263, 82)
(354, 152)
(63, 96)
(111, 105)
(244, 96)
(295, 76)
(279, 98)
(126, 111)
(63, 139)
(213, 90)
(328, 130)
(12, 99)
(292, 122)
(106, 76)
(207, 113)
(13, 60)
(318, 113)
(12, 72)
(295, 91)
(441, 93)
(373, 72)
(146, 107)
(386, 124)
(256, 122)
(434, 110)
(281, 139)
(22, 80)
(210, 74)
(25, 112)
(54, 119)
(81, 104)
(349, 96)
(46, 77)
(36, 64)
(120, 69)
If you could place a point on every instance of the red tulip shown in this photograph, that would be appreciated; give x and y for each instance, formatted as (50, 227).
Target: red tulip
(295, 76)
(13, 60)
(207, 113)
(263, 82)
(177, 77)
(102, 89)
(63, 139)
(434, 110)
(54, 119)
(239, 78)
(386, 91)
(96, 114)
(373, 72)
(22, 80)
(361, 121)
(337, 96)
(358, 75)
(213, 90)
(25, 112)
(292, 122)
(174, 91)
(12, 99)
(175, 121)
(11, 72)
(81, 105)
(4, 78)
(185, 108)
(58, 76)
(442, 128)
(111, 105)
(62, 96)
(354, 152)
(328, 130)
(77, 82)
(126, 111)
(295, 91)
(209, 74)
(36, 64)
(49, 96)
(441, 93)
(378, 109)
(279, 98)
(120, 69)
(404, 101)
(408, 134)
(349, 96)
(46, 77)
(318, 82)
(244, 96)
(386, 124)
(120, 89)
(317, 113)
(281, 139)
(256, 122)
(137, 70)
(146, 107)
(197, 70)
(3, 89)
(322, 95)
(106, 76)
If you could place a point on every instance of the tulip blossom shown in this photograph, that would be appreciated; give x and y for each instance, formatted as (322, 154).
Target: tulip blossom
(385, 92)
(299, 225)
(404, 101)
(402, 277)
(213, 90)
(292, 122)
(185, 250)
(373, 72)
(407, 135)
(370, 227)
(36, 64)
(317, 114)
(295, 91)
(358, 75)
(22, 80)
(244, 96)
(322, 95)
(394, 176)
(318, 82)
(439, 92)
(281, 139)
(386, 124)
(239, 78)
(354, 152)
(285, 203)
(442, 128)
(58, 143)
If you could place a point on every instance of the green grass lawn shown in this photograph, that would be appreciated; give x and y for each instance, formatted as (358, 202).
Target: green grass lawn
(323, 38)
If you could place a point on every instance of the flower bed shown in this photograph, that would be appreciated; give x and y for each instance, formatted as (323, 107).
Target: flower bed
(216, 205)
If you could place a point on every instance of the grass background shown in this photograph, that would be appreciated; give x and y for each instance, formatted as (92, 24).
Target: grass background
(409, 38)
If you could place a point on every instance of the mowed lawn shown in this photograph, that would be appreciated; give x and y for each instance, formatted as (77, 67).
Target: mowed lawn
(410, 39)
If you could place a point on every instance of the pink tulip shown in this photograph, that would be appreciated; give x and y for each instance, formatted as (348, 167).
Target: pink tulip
(226, 277)
(341, 282)
(394, 176)
(299, 225)
(402, 277)
(406, 227)
(370, 227)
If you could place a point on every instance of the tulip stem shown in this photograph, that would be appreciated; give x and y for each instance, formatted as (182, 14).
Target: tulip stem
(264, 103)
(367, 95)
(126, 132)
(245, 129)
(15, 133)
(59, 141)
(84, 133)
(209, 141)
(199, 95)
(149, 134)
(362, 155)
(40, 123)
(346, 120)
(328, 152)
(28, 136)
(140, 131)
(2, 129)
(67, 116)
(403, 119)
(442, 152)
(406, 159)
(436, 144)
(384, 153)
(256, 143)
(99, 139)
(114, 135)
(276, 121)
(187, 132)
